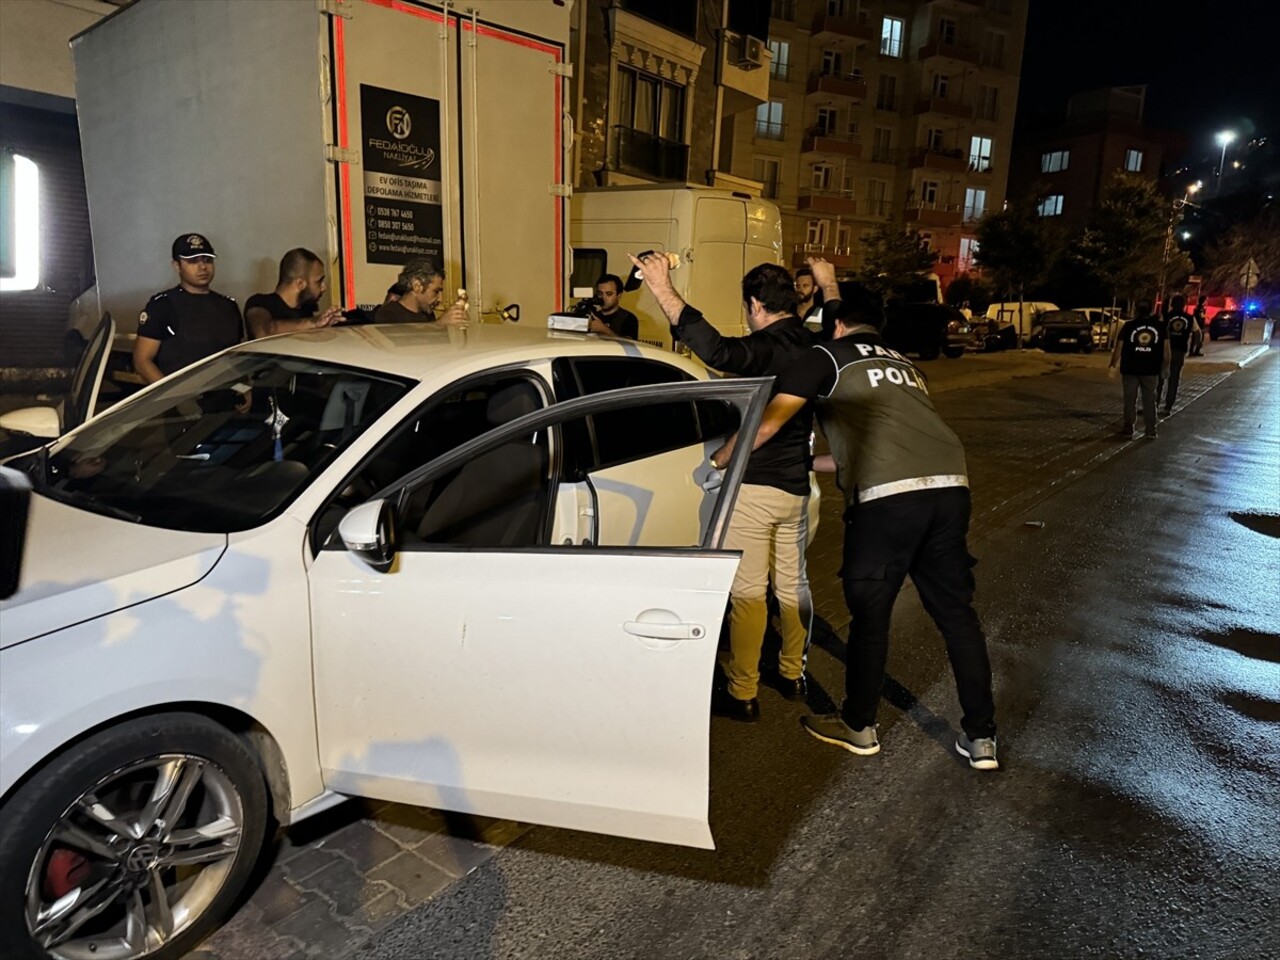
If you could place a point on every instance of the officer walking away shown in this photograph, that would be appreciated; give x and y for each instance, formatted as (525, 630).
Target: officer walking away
(1201, 318)
(422, 281)
(770, 521)
(1142, 355)
(1180, 327)
(610, 318)
(188, 322)
(292, 305)
(906, 489)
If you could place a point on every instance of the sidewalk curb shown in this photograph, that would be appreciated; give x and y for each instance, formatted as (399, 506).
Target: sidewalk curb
(1257, 352)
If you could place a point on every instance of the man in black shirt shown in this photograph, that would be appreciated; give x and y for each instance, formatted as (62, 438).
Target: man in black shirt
(611, 319)
(188, 322)
(292, 306)
(1142, 355)
(770, 520)
(423, 282)
(1181, 328)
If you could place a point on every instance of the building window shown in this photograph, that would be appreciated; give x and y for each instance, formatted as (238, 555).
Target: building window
(946, 31)
(887, 92)
(926, 240)
(844, 237)
(820, 176)
(877, 202)
(783, 10)
(837, 8)
(765, 169)
(975, 203)
(780, 65)
(650, 104)
(993, 44)
(1050, 206)
(933, 139)
(1055, 161)
(987, 102)
(827, 120)
(24, 202)
(980, 154)
(929, 192)
(891, 37)
(882, 145)
(769, 120)
(968, 250)
(831, 63)
(852, 129)
(815, 233)
(1133, 160)
(941, 82)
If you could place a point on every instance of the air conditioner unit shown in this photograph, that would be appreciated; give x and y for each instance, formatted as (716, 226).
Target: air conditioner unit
(747, 52)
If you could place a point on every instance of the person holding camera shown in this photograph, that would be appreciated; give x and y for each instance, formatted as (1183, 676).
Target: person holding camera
(608, 316)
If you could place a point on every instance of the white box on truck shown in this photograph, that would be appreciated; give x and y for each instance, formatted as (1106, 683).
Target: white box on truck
(366, 131)
(719, 235)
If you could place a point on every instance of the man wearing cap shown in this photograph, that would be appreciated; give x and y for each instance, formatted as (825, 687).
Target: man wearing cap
(188, 322)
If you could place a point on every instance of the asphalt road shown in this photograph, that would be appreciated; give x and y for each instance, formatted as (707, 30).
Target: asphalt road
(1134, 640)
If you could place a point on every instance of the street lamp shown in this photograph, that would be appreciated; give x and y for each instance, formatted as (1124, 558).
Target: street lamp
(1225, 137)
(1174, 217)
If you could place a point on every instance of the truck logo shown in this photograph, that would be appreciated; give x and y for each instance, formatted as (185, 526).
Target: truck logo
(399, 122)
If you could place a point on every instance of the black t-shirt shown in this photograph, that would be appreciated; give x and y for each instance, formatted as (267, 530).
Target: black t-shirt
(274, 304)
(189, 326)
(395, 312)
(622, 322)
(1179, 326)
(1142, 347)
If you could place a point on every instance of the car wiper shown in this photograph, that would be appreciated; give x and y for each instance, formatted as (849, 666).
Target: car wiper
(96, 504)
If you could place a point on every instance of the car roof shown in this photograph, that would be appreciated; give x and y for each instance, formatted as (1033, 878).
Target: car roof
(417, 349)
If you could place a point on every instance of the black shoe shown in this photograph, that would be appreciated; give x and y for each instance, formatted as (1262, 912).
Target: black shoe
(793, 688)
(724, 705)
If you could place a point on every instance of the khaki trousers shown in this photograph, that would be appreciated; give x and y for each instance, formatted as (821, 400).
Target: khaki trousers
(771, 528)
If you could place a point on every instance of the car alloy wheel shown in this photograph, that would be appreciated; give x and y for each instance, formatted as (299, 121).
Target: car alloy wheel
(132, 844)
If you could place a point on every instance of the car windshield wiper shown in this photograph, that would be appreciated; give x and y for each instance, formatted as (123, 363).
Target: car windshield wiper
(90, 502)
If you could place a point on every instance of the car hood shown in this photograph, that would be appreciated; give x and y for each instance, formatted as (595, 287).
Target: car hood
(79, 565)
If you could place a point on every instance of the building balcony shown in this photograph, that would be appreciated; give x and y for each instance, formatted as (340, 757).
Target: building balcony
(819, 140)
(878, 209)
(947, 108)
(950, 161)
(839, 203)
(839, 84)
(935, 214)
(768, 130)
(838, 257)
(642, 154)
(959, 52)
(980, 165)
(743, 70)
(826, 28)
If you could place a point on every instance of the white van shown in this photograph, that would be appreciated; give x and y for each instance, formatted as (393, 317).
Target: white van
(1021, 315)
(719, 235)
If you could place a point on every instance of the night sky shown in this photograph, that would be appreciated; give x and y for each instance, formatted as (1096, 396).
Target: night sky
(1219, 69)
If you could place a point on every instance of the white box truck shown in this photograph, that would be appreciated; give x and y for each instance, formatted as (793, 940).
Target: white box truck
(365, 130)
(719, 235)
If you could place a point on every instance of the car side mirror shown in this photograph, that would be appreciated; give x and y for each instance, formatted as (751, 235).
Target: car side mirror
(15, 502)
(371, 532)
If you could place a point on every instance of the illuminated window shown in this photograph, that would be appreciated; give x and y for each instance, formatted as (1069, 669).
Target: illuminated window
(975, 203)
(891, 37)
(26, 227)
(980, 154)
(1055, 161)
(769, 120)
(1133, 160)
(968, 250)
(1050, 206)
(780, 65)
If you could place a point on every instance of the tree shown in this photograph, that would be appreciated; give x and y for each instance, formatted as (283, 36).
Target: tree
(1124, 244)
(1259, 240)
(894, 260)
(966, 288)
(1016, 247)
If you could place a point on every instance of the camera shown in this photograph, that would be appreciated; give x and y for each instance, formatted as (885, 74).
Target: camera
(585, 307)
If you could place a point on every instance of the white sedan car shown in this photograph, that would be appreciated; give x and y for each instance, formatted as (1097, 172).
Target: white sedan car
(480, 571)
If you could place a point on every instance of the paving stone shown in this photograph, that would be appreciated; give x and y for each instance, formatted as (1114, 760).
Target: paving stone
(320, 932)
(377, 913)
(454, 855)
(364, 845)
(417, 879)
(276, 899)
(347, 888)
(407, 825)
(312, 860)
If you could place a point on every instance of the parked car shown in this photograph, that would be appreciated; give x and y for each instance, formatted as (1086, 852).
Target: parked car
(1065, 330)
(1105, 323)
(1023, 317)
(927, 329)
(436, 567)
(1229, 324)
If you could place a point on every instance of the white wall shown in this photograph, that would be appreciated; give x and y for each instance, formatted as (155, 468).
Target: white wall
(34, 42)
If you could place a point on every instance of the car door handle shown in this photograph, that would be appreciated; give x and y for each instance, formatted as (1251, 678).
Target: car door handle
(663, 625)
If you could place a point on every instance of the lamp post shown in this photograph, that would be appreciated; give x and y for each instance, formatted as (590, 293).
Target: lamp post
(1225, 138)
(1174, 210)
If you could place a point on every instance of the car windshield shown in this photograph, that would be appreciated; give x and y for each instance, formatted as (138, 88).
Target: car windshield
(220, 447)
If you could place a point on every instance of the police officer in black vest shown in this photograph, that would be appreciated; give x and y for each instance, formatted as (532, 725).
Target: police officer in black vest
(1181, 329)
(188, 322)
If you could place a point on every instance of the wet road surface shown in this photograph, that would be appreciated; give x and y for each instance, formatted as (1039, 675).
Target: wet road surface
(1134, 640)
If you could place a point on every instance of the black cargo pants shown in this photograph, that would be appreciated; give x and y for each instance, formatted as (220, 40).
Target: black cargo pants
(922, 533)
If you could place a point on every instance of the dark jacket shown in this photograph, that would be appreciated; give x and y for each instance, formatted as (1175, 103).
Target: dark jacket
(784, 461)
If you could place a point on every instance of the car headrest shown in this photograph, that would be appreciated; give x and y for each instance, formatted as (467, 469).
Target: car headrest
(512, 403)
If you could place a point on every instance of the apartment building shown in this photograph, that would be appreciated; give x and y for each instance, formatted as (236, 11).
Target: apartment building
(885, 111)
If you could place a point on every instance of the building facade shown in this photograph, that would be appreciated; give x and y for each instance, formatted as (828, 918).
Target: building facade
(885, 111)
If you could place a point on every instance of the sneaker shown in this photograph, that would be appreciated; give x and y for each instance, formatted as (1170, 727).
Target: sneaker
(1126, 432)
(981, 752)
(831, 728)
(1150, 435)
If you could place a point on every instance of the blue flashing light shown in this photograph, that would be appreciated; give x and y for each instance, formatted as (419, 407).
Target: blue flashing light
(1253, 305)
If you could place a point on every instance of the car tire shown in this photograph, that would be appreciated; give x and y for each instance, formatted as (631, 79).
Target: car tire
(216, 785)
(1086, 347)
(1213, 335)
(930, 353)
(952, 353)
